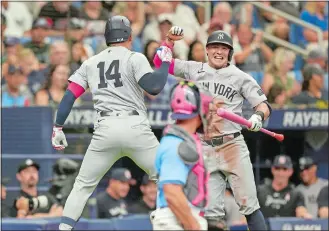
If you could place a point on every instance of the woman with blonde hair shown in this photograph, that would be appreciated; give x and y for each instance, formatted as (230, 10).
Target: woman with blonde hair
(277, 84)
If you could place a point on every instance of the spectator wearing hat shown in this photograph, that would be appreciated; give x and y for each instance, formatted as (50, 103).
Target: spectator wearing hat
(28, 177)
(279, 198)
(319, 56)
(9, 54)
(111, 203)
(311, 185)
(148, 201)
(312, 87)
(14, 93)
(40, 48)
(323, 202)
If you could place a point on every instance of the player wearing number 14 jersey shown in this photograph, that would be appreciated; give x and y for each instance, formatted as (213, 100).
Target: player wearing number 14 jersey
(116, 78)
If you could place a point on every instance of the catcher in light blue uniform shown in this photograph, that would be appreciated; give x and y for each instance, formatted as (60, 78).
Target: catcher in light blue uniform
(183, 178)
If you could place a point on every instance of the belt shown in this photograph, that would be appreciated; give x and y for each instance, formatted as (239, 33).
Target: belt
(216, 141)
(121, 113)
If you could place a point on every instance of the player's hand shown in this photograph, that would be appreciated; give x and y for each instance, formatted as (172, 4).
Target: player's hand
(164, 53)
(256, 123)
(58, 139)
(175, 33)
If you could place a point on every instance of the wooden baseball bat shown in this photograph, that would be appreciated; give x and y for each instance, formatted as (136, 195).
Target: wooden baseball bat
(240, 120)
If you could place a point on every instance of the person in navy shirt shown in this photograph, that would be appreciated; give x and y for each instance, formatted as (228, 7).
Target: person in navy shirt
(182, 176)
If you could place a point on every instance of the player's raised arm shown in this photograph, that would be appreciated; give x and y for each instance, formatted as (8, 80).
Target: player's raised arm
(77, 86)
(174, 34)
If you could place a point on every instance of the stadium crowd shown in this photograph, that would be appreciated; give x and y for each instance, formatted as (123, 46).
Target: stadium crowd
(43, 43)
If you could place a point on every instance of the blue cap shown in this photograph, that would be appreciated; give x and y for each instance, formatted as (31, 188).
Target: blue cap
(11, 41)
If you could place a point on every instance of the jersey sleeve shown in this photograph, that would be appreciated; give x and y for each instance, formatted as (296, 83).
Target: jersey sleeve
(80, 76)
(300, 201)
(322, 199)
(252, 91)
(186, 69)
(170, 160)
(140, 65)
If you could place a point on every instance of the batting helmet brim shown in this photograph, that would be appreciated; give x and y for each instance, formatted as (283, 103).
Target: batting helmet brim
(218, 42)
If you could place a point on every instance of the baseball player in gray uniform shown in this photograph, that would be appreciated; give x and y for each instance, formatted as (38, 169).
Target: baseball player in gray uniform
(116, 78)
(226, 153)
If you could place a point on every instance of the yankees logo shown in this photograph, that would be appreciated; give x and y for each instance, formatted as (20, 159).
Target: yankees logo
(220, 36)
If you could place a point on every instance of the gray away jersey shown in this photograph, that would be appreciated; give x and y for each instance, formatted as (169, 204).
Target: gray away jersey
(112, 77)
(311, 194)
(229, 87)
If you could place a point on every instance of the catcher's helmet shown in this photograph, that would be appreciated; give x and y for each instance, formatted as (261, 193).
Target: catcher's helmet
(221, 37)
(117, 29)
(187, 100)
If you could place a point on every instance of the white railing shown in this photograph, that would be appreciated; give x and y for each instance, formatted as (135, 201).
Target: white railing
(292, 19)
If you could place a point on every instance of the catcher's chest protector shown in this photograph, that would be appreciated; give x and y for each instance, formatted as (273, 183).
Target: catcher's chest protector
(190, 151)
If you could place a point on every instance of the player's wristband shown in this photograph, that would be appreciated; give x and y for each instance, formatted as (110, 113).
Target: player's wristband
(261, 114)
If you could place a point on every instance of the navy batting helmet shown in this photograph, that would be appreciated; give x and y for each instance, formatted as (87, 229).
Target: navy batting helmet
(221, 37)
(117, 29)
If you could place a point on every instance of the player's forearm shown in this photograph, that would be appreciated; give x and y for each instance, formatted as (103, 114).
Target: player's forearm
(157, 61)
(301, 212)
(72, 93)
(178, 204)
(153, 83)
(323, 212)
(264, 108)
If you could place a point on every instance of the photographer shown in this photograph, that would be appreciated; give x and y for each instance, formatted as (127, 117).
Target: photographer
(30, 204)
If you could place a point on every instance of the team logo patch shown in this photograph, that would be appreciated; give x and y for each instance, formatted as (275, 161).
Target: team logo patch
(282, 160)
(220, 36)
(260, 92)
(127, 174)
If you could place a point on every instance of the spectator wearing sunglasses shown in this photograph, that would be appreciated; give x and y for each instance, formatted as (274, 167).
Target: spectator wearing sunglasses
(311, 185)
(279, 198)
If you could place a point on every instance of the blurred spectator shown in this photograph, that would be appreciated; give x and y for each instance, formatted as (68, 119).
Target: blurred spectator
(250, 52)
(147, 203)
(279, 29)
(14, 93)
(149, 50)
(313, 95)
(184, 17)
(19, 19)
(220, 20)
(79, 55)
(55, 86)
(277, 84)
(3, 29)
(28, 177)
(5, 209)
(135, 12)
(59, 53)
(319, 56)
(280, 198)
(93, 10)
(232, 213)
(323, 202)
(31, 70)
(37, 44)
(111, 203)
(59, 12)
(158, 30)
(197, 52)
(311, 185)
(314, 13)
(9, 56)
(312, 88)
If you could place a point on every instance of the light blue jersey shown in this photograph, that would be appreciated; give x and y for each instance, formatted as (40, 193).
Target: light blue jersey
(169, 166)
